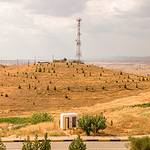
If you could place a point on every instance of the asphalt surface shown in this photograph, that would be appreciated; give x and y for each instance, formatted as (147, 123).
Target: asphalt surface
(65, 145)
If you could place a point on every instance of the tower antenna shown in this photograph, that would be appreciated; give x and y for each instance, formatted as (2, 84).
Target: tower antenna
(78, 40)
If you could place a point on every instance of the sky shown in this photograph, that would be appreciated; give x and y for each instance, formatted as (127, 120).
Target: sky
(42, 28)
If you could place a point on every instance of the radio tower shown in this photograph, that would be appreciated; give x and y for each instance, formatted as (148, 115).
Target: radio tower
(78, 40)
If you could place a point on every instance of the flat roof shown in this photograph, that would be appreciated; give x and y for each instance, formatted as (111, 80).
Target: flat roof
(69, 113)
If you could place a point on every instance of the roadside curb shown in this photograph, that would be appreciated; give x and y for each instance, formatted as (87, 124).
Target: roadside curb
(68, 139)
(71, 138)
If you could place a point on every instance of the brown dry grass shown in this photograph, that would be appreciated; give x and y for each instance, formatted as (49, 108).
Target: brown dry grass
(85, 95)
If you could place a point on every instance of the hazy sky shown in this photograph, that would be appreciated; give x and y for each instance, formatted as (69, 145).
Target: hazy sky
(43, 28)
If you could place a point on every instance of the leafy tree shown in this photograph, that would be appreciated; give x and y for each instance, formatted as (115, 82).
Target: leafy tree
(98, 122)
(85, 123)
(77, 144)
(92, 123)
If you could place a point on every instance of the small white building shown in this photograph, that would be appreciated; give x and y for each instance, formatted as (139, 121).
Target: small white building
(68, 120)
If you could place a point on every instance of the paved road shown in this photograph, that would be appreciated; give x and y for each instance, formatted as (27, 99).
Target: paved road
(90, 146)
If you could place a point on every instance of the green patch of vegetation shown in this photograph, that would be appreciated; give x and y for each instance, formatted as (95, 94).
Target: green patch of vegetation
(144, 105)
(139, 143)
(15, 120)
(34, 119)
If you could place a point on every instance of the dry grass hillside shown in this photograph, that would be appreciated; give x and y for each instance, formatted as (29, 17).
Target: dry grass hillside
(59, 87)
(49, 87)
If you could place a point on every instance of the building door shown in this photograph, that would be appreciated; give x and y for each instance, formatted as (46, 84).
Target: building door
(74, 120)
(66, 123)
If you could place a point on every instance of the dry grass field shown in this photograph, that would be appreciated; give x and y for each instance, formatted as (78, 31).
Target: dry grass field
(65, 87)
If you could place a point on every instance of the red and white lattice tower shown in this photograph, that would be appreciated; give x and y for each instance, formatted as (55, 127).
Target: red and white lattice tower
(78, 40)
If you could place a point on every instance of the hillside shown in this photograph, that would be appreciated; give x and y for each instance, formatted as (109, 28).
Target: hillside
(57, 87)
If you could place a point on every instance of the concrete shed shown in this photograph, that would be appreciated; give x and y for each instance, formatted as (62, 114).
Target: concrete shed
(68, 120)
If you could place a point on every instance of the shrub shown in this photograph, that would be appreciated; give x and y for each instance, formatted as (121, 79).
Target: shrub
(2, 146)
(54, 88)
(36, 144)
(125, 86)
(66, 97)
(40, 70)
(48, 88)
(45, 145)
(27, 145)
(19, 87)
(92, 123)
(77, 144)
(41, 117)
(103, 87)
(6, 95)
(139, 143)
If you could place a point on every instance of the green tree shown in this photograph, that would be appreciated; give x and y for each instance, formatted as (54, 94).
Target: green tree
(85, 123)
(98, 123)
(77, 144)
(92, 124)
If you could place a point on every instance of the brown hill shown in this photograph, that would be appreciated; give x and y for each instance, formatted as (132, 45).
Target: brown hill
(56, 87)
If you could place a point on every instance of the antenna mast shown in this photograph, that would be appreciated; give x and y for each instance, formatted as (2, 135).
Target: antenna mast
(78, 40)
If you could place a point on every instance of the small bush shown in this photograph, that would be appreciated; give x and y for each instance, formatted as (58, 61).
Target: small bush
(19, 87)
(45, 145)
(27, 145)
(6, 95)
(48, 88)
(41, 117)
(2, 146)
(54, 88)
(36, 144)
(139, 143)
(66, 97)
(103, 87)
(77, 144)
(40, 70)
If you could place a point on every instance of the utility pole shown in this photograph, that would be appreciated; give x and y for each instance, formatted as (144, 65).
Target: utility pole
(78, 40)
